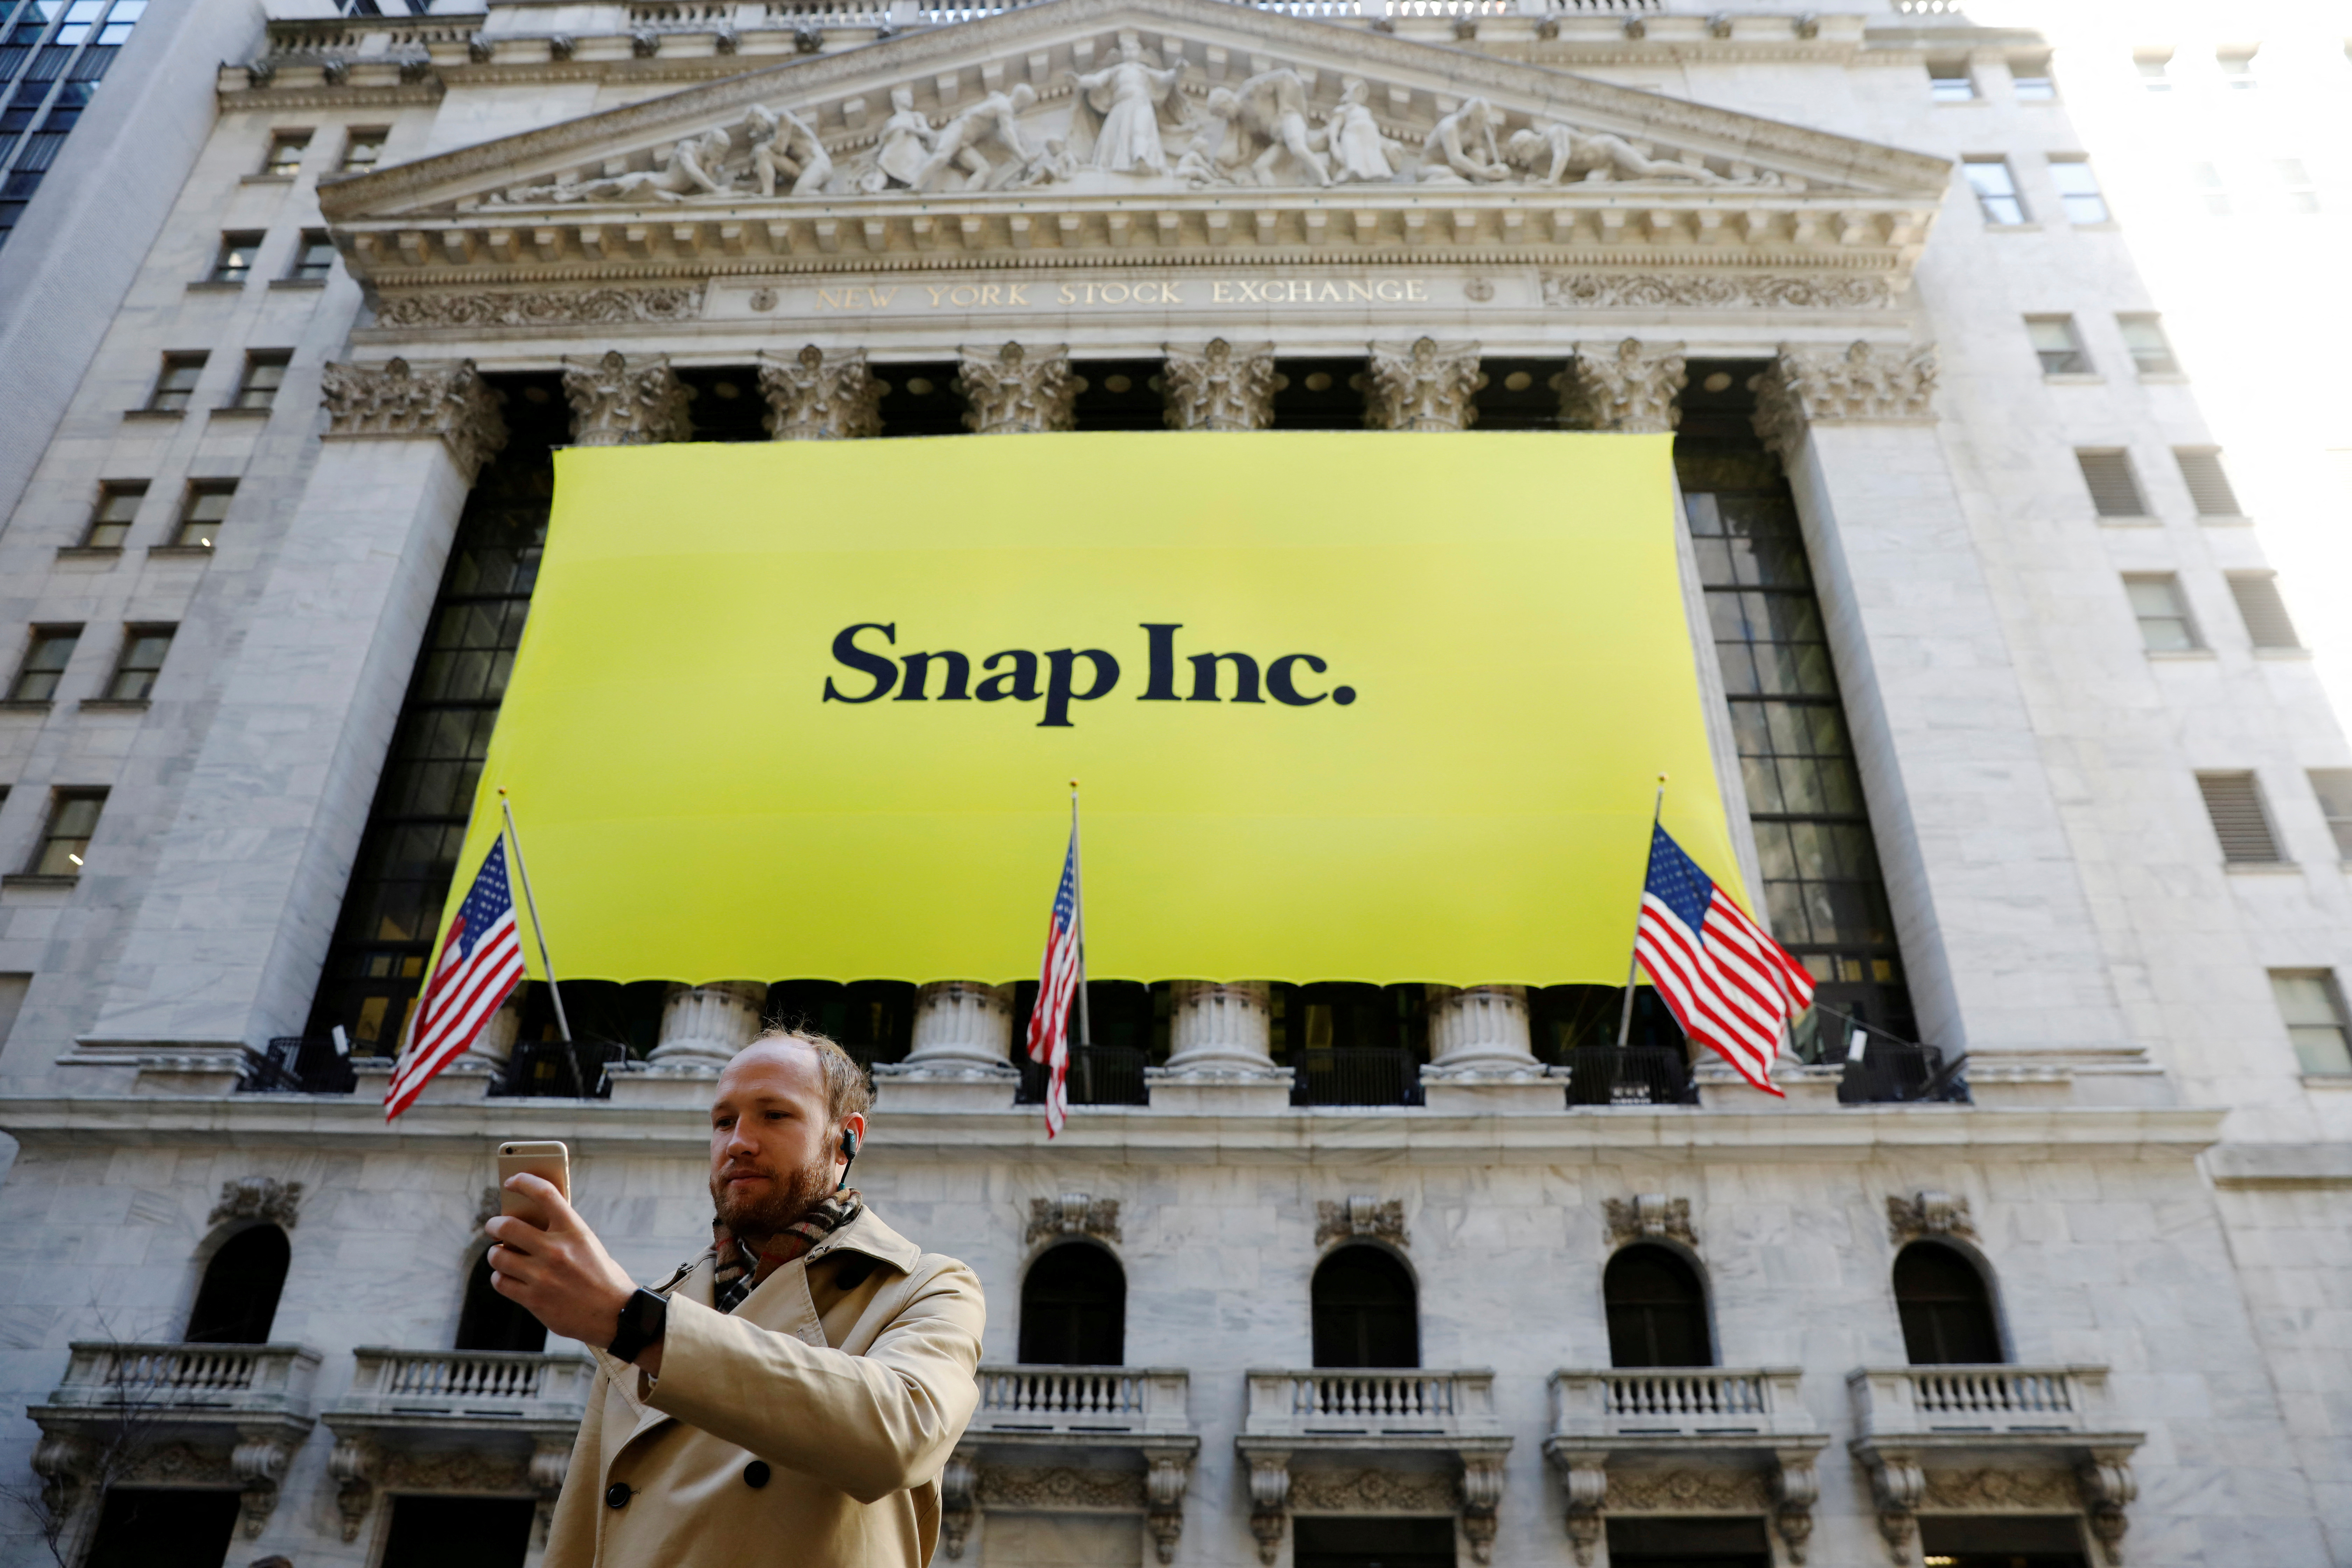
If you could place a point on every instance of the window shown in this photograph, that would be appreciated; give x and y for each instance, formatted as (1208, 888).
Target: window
(489, 1321)
(140, 660)
(285, 148)
(2155, 69)
(2234, 802)
(265, 373)
(2237, 67)
(1073, 1307)
(201, 517)
(2302, 197)
(1366, 1312)
(1946, 1308)
(234, 262)
(2209, 487)
(2031, 80)
(365, 148)
(2061, 350)
(2333, 788)
(177, 383)
(2314, 1011)
(2151, 350)
(73, 820)
(117, 508)
(424, 1527)
(1948, 82)
(2078, 191)
(2164, 623)
(2259, 605)
(238, 1299)
(1996, 190)
(200, 1525)
(1657, 1309)
(2113, 492)
(46, 658)
(314, 259)
(2208, 179)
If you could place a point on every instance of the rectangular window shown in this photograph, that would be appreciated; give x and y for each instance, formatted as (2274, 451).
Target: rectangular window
(2302, 197)
(1996, 190)
(286, 149)
(2234, 802)
(46, 658)
(2113, 492)
(2078, 191)
(365, 148)
(2207, 178)
(2061, 350)
(2264, 613)
(2313, 1009)
(206, 508)
(2151, 350)
(117, 508)
(177, 383)
(141, 660)
(73, 823)
(2031, 80)
(265, 373)
(2155, 69)
(2333, 788)
(234, 262)
(2163, 614)
(2209, 487)
(314, 259)
(1948, 82)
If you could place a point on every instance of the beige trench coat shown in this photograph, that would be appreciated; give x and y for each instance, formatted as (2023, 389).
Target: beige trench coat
(808, 1427)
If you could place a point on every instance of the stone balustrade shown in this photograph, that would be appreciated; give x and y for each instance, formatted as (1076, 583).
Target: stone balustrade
(1909, 1401)
(230, 1379)
(1327, 1402)
(1678, 1402)
(1080, 1402)
(465, 1385)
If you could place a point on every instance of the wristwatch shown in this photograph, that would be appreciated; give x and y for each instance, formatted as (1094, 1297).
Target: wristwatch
(642, 1317)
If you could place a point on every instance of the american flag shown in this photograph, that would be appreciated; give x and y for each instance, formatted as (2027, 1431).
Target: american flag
(481, 962)
(1057, 983)
(1730, 985)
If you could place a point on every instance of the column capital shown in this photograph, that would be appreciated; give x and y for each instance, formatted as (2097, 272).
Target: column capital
(1630, 388)
(1012, 390)
(618, 401)
(397, 401)
(817, 397)
(1422, 385)
(1219, 387)
(1864, 385)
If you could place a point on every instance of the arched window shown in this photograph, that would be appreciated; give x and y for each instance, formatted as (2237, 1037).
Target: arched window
(1657, 1309)
(1366, 1312)
(488, 1321)
(1073, 1309)
(238, 1299)
(1946, 1308)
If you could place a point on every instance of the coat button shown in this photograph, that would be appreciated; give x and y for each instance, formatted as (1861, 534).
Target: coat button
(755, 1474)
(618, 1495)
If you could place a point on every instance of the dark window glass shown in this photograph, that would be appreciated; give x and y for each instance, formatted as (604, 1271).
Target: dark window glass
(138, 1527)
(238, 1299)
(201, 516)
(314, 258)
(1119, 394)
(873, 1020)
(177, 383)
(1945, 1310)
(1519, 394)
(265, 373)
(1960, 1541)
(921, 399)
(363, 149)
(1366, 1310)
(459, 1532)
(141, 661)
(234, 264)
(1318, 395)
(118, 508)
(1657, 1309)
(1324, 1542)
(73, 823)
(46, 658)
(285, 155)
(489, 1321)
(1073, 1309)
(1688, 1544)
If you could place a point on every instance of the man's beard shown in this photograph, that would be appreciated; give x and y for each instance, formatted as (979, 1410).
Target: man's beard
(758, 1219)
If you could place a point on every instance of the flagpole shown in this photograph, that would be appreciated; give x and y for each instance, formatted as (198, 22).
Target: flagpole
(1078, 917)
(1633, 964)
(538, 932)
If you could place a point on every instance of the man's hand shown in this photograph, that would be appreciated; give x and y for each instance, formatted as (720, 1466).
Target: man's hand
(561, 1274)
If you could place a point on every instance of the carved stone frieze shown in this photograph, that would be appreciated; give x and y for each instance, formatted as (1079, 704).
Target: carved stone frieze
(1685, 1491)
(1059, 1489)
(396, 401)
(1652, 290)
(1220, 387)
(179, 1463)
(1073, 1214)
(1012, 390)
(620, 401)
(1648, 1217)
(1422, 385)
(1371, 1491)
(540, 307)
(1360, 1215)
(1927, 1213)
(1630, 389)
(818, 396)
(257, 1198)
(1864, 385)
(1995, 1490)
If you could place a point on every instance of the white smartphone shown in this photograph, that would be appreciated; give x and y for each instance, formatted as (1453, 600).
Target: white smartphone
(550, 1161)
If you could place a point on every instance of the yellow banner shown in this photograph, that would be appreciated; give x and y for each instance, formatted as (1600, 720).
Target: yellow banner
(1345, 707)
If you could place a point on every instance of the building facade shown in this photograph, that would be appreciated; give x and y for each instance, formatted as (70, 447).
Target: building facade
(2025, 754)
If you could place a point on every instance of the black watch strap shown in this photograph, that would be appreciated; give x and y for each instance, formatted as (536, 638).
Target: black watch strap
(642, 1317)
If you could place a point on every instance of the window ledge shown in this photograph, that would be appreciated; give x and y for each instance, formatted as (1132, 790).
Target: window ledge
(115, 704)
(179, 552)
(231, 411)
(2289, 653)
(2173, 655)
(2012, 228)
(2225, 520)
(2104, 226)
(298, 283)
(2262, 867)
(1960, 102)
(2163, 378)
(2129, 521)
(2075, 378)
(154, 413)
(216, 286)
(267, 180)
(25, 705)
(90, 553)
(2336, 1080)
(15, 879)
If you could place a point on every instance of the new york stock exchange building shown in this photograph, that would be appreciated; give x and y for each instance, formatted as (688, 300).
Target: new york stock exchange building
(2038, 1259)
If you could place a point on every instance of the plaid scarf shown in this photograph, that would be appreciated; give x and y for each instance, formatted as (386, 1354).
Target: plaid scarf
(734, 1277)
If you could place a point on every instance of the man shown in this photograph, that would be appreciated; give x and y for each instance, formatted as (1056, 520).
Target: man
(791, 1396)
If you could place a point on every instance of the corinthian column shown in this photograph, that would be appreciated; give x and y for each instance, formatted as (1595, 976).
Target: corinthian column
(617, 401)
(961, 1058)
(1630, 389)
(1864, 385)
(1424, 385)
(702, 1026)
(817, 397)
(1012, 391)
(1219, 387)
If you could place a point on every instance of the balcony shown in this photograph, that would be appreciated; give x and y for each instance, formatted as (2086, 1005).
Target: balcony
(1371, 1405)
(1637, 1075)
(1076, 1439)
(561, 1069)
(294, 1065)
(1098, 1075)
(1081, 1404)
(1355, 1076)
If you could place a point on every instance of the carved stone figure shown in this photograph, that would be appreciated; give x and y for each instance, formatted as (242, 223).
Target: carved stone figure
(1269, 113)
(1426, 386)
(1126, 95)
(1461, 146)
(1551, 153)
(691, 169)
(1631, 389)
(1359, 150)
(1361, 1214)
(817, 397)
(996, 117)
(783, 144)
(1219, 389)
(265, 1198)
(1929, 1214)
(908, 139)
(1647, 1216)
(1072, 1214)
(1009, 392)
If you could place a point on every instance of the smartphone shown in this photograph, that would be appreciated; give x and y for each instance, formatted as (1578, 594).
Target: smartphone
(550, 1161)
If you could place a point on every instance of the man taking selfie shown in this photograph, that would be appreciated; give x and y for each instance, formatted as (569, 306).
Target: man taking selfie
(788, 1397)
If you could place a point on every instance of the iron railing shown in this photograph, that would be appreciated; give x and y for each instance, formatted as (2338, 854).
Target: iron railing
(1636, 1075)
(1355, 1076)
(561, 1069)
(1891, 1072)
(1098, 1075)
(299, 1065)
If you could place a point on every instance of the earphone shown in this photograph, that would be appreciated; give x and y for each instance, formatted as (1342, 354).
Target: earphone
(848, 1155)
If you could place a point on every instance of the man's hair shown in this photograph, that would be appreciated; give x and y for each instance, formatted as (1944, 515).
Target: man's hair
(847, 1091)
